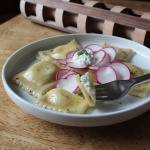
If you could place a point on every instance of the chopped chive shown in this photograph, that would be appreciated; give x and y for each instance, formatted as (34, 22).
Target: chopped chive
(83, 52)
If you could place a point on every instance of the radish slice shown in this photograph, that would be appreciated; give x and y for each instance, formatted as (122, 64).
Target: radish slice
(101, 58)
(63, 73)
(122, 70)
(70, 84)
(94, 47)
(70, 54)
(62, 61)
(111, 52)
(105, 75)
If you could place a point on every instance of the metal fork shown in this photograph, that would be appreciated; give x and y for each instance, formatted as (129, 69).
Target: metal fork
(117, 89)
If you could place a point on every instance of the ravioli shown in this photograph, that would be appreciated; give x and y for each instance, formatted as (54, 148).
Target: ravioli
(61, 100)
(61, 51)
(89, 97)
(123, 54)
(44, 55)
(135, 71)
(140, 90)
(38, 78)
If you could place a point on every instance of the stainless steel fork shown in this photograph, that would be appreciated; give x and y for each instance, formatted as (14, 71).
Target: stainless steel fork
(117, 89)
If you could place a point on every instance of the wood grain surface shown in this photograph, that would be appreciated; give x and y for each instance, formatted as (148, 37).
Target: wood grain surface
(21, 131)
(121, 19)
(143, 5)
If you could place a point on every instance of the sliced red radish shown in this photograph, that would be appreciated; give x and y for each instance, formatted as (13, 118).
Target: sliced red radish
(101, 59)
(94, 47)
(63, 73)
(70, 84)
(122, 70)
(62, 61)
(105, 75)
(70, 54)
(111, 52)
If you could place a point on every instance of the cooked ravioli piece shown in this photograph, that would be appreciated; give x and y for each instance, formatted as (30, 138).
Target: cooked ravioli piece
(61, 100)
(123, 54)
(140, 90)
(37, 78)
(88, 95)
(135, 71)
(61, 51)
(44, 55)
(41, 72)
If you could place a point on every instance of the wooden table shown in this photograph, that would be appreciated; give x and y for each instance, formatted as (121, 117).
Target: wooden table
(21, 131)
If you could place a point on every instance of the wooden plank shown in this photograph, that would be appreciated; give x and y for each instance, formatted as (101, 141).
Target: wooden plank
(97, 13)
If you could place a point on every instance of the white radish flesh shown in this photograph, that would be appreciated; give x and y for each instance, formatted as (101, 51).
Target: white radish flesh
(102, 58)
(70, 54)
(105, 75)
(70, 84)
(122, 70)
(94, 47)
(111, 52)
(63, 73)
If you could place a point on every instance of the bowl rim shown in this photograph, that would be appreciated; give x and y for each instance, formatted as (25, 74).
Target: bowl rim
(8, 89)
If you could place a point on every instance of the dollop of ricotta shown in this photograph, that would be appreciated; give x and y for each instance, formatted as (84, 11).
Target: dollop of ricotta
(82, 58)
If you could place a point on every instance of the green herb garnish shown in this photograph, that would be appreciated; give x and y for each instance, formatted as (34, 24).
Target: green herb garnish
(83, 52)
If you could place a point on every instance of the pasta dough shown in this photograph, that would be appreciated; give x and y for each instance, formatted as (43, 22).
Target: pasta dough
(61, 51)
(89, 97)
(44, 55)
(61, 100)
(123, 54)
(140, 90)
(38, 78)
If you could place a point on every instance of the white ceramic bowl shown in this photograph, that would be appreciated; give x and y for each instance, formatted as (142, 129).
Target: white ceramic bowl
(105, 113)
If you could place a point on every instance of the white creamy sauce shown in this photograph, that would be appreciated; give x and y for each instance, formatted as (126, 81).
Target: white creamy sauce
(83, 59)
(87, 83)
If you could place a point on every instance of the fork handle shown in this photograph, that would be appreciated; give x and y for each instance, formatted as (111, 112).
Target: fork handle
(141, 79)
